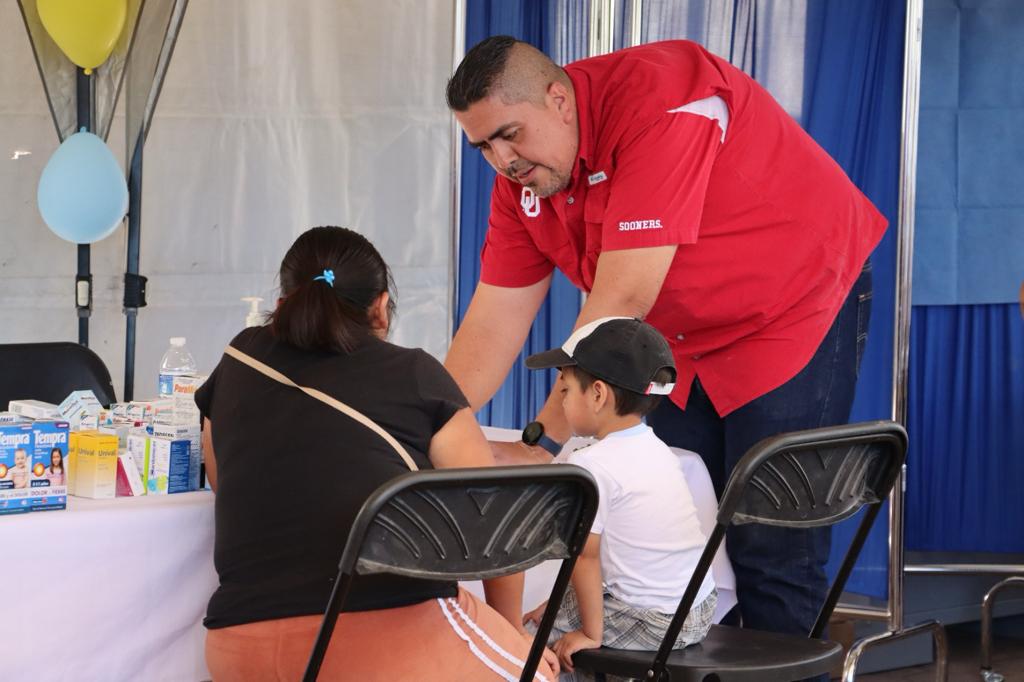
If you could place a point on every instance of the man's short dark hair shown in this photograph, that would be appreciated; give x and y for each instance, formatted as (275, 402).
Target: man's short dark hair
(626, 402)
(479, 70)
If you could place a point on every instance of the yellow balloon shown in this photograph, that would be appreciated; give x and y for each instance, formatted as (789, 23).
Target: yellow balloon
(86, 30)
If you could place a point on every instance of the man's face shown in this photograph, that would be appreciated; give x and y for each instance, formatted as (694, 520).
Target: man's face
(528, 143)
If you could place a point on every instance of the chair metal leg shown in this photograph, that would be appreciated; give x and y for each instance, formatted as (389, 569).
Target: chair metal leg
(938, 635)
(987, 604)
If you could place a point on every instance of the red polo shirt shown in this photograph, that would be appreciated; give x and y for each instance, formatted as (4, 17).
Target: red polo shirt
(679, 147)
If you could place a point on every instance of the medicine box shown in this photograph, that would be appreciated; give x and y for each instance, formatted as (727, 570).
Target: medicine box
(12, 418)
(169, 470)
(95, 465)
(33, 409)
(191, 433)
(49, 465)
(81, 410)
(129, 482)
(184, 397)
(15, 467)
(139, 445)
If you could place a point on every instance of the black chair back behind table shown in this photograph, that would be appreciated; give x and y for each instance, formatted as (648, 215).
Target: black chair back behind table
(51, 371)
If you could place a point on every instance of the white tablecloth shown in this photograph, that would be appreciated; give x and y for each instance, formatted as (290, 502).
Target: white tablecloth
(108, 590)
(540, 579)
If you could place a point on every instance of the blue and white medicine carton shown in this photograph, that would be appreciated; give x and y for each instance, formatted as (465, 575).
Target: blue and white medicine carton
(169, 466)
(48, 487)
(81, 410)
(192, 434)
(15, 467)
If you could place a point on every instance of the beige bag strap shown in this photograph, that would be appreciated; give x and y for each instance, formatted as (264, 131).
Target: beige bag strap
(324, 398)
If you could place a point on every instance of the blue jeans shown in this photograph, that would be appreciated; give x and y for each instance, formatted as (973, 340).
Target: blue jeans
(780, 572)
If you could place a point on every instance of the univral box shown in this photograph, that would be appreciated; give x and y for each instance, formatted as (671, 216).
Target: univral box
(34, 409)
(168, 466)
(95, 465)
(49, 465)
(15, 467)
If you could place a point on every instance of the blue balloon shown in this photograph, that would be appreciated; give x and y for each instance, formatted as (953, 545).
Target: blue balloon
(82, 195)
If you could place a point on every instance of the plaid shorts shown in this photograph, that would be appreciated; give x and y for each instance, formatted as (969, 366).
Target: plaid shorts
(628, 627)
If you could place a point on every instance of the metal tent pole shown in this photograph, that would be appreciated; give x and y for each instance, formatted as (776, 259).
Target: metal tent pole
(455, 174)
(83, 278)
(901, 353)
(134, 283)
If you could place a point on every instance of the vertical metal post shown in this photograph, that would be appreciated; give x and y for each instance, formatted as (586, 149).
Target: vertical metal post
(455, 175)
(901, 356)
(636, 23)
(601, 36)
(904, 271)
(83, 280)
(134, 284)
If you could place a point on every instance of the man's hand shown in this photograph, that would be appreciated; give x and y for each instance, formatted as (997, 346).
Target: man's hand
(570, 643)
(518, 452)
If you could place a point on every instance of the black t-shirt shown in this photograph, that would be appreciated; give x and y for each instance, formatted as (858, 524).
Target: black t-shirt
(292, 472)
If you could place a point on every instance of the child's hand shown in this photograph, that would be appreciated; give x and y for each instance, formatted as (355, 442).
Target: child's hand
(547, 656)
(535, 615)
(570, 643)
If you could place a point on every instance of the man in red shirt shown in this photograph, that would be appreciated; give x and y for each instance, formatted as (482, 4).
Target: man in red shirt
(670, 186)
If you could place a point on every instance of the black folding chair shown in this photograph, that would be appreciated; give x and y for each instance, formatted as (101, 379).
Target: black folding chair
(50, 371)
(798, 480)
(468, 524)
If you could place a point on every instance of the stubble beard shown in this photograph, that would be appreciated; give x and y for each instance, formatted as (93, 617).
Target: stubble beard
(555, 183)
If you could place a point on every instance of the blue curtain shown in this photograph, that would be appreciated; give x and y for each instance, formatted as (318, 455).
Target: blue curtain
(966, 423)
(966, 417)
(852, 105)
(524, 392)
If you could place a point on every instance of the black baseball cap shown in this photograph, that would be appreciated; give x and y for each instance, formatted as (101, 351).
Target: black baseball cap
(624, 351)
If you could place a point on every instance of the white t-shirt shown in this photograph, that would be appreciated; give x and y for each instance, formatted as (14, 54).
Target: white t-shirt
(650, 534)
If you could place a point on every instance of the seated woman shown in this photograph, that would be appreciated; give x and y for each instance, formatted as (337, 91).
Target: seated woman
(291, 473)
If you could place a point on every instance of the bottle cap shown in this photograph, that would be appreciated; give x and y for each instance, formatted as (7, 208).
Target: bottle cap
(177, 340)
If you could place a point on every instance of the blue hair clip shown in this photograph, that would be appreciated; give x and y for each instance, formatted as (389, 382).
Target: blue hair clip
(328, 277)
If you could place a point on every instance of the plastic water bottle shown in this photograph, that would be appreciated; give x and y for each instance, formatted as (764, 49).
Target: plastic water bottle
(177, 361)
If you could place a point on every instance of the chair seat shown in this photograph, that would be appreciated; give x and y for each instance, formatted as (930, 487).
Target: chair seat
(733, 654)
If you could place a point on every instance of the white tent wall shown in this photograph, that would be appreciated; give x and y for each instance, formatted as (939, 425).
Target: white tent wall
(274, 117)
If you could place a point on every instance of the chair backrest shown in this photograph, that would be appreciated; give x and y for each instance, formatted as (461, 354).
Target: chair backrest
(463, 524)
(816, 477)
(802, 479)
(50, 371)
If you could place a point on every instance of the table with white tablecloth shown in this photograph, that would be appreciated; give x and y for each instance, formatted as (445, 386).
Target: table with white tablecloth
(108, 590)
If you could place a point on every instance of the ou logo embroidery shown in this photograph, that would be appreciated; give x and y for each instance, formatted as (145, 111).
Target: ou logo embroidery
(530, 203)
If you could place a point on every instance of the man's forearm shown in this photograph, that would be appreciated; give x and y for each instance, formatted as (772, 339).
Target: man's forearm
(491, 336)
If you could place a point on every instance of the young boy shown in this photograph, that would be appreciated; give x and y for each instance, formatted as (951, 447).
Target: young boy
(646, 538)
